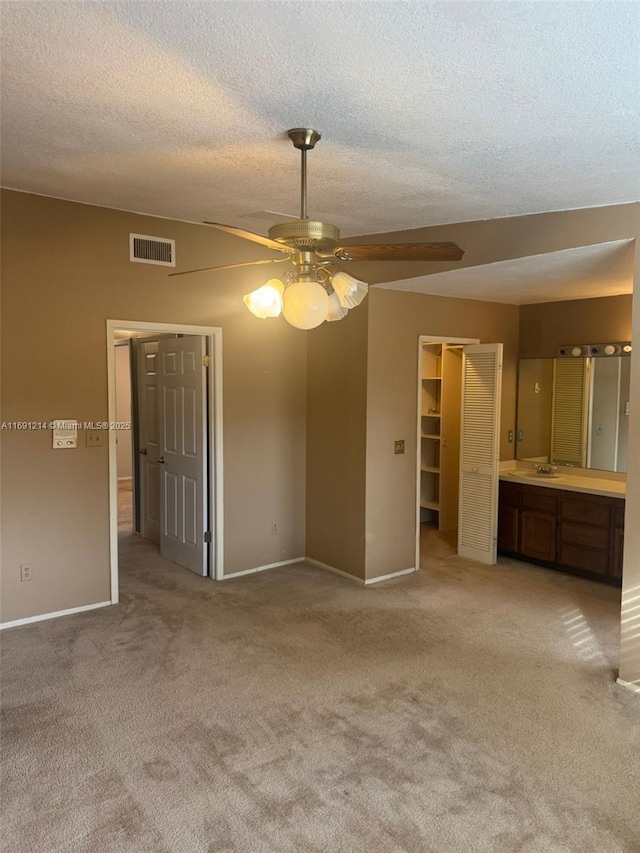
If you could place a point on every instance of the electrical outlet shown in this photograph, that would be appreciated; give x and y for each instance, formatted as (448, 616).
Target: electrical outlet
(398, 446)
(26, 572)
(274, 528)
(94, 438)
(510, 436)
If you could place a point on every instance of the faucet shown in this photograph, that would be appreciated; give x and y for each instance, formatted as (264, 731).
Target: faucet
(546, 469)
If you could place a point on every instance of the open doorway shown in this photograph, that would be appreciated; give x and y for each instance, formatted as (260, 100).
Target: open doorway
(459, 383)
(125, 434)
(165, 474)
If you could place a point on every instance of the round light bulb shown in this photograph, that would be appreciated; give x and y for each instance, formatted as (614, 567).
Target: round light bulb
(609, 349)
(305, 304)
(576, 351)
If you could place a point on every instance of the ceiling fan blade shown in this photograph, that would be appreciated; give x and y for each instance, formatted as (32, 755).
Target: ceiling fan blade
(400, 252)
(249, 235)
(233, 266)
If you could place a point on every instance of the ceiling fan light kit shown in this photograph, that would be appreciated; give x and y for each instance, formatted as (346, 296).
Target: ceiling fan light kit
(317, 290)
(266, 301)
(350, 291)
(305, 304)
(336, 310)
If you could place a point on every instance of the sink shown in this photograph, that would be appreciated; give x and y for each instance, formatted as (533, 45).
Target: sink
(534, 475)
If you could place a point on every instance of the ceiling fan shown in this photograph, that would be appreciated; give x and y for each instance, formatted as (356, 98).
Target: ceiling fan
(316, 288)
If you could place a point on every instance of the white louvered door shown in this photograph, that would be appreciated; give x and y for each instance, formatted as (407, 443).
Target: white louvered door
(480, 452)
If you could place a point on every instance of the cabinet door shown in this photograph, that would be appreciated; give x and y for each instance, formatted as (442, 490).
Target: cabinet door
(508, 528)
(538, 535)
(615, 568)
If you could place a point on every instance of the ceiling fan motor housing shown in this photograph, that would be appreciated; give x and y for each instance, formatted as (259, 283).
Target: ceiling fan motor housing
(306, 234)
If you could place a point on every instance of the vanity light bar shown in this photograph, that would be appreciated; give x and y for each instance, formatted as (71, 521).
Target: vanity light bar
(594, 350)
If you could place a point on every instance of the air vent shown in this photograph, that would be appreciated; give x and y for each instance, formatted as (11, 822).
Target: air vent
(152, 250)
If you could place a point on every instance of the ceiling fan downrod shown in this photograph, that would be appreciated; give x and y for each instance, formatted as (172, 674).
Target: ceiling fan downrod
(304, 139)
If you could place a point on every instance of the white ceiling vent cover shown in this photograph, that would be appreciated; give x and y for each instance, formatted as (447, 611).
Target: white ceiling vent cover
(152, 250)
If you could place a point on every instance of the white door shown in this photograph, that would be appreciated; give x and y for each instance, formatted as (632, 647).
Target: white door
(183, 459)
(480, 452)
(149, 437)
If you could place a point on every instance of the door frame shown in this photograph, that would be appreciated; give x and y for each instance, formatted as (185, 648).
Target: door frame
(427, 339)
(213, 335)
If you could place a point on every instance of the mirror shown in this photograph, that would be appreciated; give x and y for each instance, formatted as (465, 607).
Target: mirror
(574, 411)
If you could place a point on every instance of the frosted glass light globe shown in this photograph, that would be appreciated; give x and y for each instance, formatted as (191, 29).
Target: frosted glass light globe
(266, 301)
(305, 304)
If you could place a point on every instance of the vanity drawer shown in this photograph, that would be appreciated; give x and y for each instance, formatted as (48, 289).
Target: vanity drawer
(509, 494)
(582, 534)
(585, 511)
(585, 559)
(540, 500)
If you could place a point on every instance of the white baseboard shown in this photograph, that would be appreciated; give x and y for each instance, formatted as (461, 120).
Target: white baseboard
(369, 581)
(628, 685)
(360, 581)
(263, 568)
(55, 615)
(333, 570)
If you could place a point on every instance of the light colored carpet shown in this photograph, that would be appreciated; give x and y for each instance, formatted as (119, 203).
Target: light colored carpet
(459, 709)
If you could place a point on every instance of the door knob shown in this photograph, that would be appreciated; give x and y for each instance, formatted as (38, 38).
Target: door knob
(161, 461)
(144, 451)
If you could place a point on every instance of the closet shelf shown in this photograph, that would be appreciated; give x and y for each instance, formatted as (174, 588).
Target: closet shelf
(431, 378)
(430, 505)
(431, 436)
(432, 469)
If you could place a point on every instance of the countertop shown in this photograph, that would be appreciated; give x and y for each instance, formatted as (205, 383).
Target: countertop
(568, 482)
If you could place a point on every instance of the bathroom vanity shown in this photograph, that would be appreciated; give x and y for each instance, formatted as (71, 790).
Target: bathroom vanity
(570, 523)
(562, 503)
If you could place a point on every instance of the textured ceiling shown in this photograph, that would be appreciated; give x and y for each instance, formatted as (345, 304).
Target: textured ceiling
(582, 273)
(430, 113)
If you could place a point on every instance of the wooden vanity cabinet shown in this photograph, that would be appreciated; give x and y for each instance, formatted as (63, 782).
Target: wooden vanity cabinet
(617, 540)
(570, 531)
(508, 518)
(538, 524)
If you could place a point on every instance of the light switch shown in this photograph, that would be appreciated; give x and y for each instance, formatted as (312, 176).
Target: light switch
(94, 438)
(398, 446)
(65, 433)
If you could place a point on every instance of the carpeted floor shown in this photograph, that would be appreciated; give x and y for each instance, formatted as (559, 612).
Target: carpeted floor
(459, 709)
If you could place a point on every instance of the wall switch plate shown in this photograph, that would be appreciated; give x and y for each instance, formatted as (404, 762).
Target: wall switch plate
(398, 446)
(274, 528)
(94, 438)
(26, 572)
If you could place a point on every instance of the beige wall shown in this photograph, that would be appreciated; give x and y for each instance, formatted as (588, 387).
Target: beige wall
(491, 240)
(396, 320)
(630, 624)
(547, 325)
(65, 271)
(336, 442)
